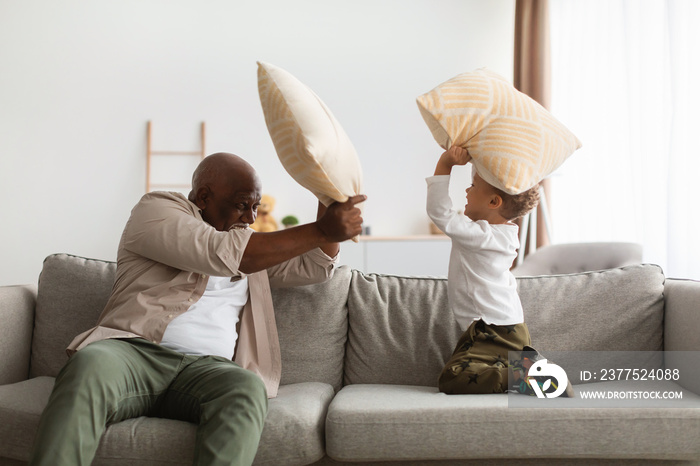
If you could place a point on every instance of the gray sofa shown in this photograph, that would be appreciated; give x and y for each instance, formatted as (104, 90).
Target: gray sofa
(361, 354)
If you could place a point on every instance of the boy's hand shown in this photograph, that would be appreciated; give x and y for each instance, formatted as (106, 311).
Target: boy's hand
(455, 155)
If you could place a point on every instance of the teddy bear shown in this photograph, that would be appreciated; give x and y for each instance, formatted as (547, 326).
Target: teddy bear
(265, 222)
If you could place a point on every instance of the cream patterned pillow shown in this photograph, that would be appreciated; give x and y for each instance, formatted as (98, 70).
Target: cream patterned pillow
(309, 141)
(514, 141)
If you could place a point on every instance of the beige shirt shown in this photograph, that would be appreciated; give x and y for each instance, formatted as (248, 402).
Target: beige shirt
(166, 253)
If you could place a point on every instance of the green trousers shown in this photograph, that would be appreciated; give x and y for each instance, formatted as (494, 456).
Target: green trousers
(479, 363)
(112, 380)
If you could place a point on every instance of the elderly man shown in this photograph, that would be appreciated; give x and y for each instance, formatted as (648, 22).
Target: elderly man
(189, 332)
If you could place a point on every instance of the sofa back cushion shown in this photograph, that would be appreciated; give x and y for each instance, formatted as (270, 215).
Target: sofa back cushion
(71, 294)
(311, 320)
(401, 330)
(313, 328)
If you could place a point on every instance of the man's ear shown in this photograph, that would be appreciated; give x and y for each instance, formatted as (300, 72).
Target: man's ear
(201, 197)
(495, 202)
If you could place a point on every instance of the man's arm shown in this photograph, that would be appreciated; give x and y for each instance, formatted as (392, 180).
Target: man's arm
(331, 249)
(337, 223)
(311, 267)
(164, 228)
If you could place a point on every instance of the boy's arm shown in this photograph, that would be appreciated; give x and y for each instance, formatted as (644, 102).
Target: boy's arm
(438, 201)
(455, 155)
(439, 204)
(450, 221)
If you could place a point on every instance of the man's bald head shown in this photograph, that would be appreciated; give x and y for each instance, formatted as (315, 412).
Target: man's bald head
(221, 169)
(227, 191)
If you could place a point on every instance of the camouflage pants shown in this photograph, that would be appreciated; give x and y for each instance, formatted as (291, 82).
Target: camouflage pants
(479, 363)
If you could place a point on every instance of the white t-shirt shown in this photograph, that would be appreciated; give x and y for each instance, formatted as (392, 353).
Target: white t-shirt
(209, 325)
(479, 282)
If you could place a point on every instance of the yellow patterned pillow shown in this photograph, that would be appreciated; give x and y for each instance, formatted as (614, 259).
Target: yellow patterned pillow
(309, 141)
(514, 141)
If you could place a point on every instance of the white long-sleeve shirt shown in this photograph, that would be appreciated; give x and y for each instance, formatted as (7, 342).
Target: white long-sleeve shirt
(479, 282)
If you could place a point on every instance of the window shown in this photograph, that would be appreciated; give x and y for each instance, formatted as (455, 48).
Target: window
(622, 81)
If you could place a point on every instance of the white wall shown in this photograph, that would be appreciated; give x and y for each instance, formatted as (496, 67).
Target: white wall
(79, 79)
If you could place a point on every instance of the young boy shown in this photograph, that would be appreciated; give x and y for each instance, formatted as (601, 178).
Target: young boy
(482, 291)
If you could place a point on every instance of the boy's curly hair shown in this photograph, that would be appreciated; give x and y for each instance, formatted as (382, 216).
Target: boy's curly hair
(517, 205)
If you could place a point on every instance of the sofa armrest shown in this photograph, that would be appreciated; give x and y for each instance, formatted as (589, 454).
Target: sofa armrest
(682, 330)
(682, 315)
(563, 258)
(17, 305)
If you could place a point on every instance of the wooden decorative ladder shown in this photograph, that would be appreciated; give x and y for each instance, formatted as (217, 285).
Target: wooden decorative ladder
(150, 153)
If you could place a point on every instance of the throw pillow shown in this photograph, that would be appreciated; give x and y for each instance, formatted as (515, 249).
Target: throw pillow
(514, 141)
(310, 143)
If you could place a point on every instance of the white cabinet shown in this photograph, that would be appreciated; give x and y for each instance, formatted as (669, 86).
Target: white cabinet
(403, 255)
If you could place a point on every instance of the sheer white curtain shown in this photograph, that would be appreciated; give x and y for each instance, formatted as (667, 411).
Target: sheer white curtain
(625, 79)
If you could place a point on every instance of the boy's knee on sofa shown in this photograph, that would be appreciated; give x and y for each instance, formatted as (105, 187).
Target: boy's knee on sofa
(472, 379)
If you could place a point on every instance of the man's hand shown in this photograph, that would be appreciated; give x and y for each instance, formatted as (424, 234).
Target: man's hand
(455, 155)
(342, 221)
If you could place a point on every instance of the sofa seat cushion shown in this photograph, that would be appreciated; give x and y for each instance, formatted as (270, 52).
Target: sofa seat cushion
(293, 432)
(381, 422)
(21, 405)
(295, 428)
